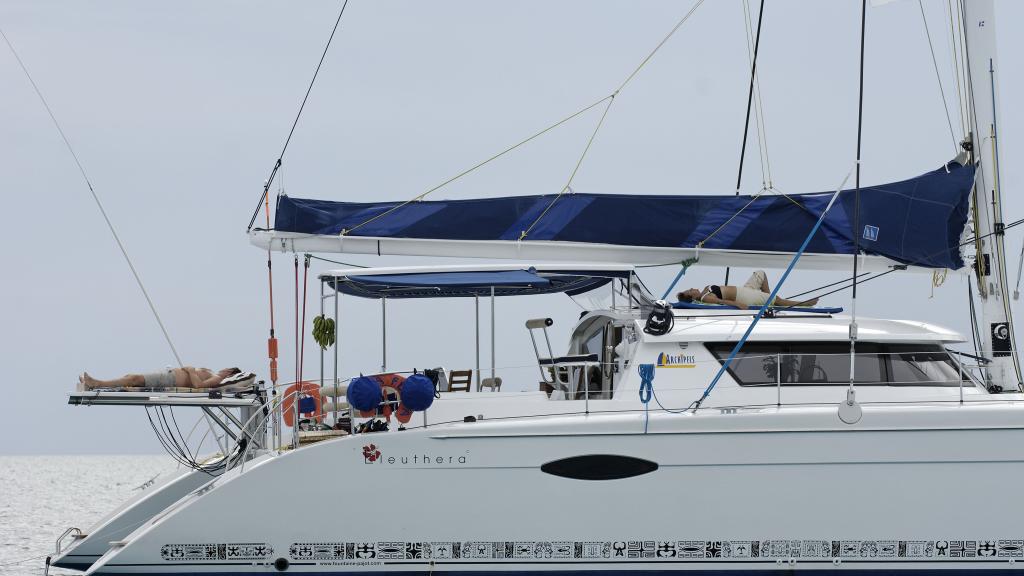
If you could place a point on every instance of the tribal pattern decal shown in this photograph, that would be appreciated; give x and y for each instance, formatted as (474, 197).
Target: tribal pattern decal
(670, 550)
(208, 552)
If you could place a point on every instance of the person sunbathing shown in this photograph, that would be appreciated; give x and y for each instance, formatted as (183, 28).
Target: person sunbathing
(754, 292)
(184, 377)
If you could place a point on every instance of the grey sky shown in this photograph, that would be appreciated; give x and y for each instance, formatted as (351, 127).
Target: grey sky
(178, 110)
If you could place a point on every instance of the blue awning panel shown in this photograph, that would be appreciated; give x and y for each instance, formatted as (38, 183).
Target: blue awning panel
(917, 221)
(474, 283)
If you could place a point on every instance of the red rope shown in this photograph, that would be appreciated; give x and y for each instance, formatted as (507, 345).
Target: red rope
(296, 317)
(272, 341)
(302, 345)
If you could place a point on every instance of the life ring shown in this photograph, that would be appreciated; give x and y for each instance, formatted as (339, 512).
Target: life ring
(389, 384)
(304, 389)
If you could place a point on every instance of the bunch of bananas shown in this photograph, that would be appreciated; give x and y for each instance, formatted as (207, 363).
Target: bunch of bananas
(323, 331)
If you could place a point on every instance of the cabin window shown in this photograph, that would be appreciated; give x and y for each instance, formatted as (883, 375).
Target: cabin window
(828, 363)
(917, 366)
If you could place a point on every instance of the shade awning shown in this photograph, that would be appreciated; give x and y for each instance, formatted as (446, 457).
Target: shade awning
(915, 222)
(467, 283)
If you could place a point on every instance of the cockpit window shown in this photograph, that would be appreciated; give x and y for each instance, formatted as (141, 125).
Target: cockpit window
(828, 363)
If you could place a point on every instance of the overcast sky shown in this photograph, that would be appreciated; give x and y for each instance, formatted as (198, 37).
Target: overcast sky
(178, 110)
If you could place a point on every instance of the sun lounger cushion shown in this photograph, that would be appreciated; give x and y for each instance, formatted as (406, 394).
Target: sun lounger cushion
(695, 306)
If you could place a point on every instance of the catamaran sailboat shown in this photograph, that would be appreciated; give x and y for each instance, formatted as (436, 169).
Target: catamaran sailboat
(589, 476)
(668, 437)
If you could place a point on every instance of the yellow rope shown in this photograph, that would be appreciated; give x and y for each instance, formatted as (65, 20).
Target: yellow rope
(660, 44)
(478, 165)
(610, 98)
(576, 169)
(938, 279)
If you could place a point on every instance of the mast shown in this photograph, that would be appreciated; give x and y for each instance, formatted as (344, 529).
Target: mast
(983, 145)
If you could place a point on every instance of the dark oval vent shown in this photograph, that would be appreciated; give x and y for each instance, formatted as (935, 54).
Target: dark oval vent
(599, 467)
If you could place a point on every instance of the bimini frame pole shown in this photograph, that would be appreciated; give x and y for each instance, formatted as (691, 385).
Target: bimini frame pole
(322, 296)
(384, 334)
(476, 302)
(337, 343)
(492, 336)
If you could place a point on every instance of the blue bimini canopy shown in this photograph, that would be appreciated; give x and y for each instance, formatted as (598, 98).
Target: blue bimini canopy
(465, 283)
(916, 222)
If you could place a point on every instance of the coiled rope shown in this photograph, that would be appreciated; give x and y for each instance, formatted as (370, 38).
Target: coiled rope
(646, 372)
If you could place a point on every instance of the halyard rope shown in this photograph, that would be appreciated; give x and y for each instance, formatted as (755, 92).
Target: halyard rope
(96, 199)
(280, 157)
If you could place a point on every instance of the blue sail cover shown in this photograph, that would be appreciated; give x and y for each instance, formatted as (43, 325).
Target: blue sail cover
(476, 283)
(916, 221)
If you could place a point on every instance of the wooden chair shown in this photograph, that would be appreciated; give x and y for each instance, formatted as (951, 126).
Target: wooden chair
(460, 380)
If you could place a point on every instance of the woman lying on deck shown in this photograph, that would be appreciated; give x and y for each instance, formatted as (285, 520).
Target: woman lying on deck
(184, 377)
(754, 293)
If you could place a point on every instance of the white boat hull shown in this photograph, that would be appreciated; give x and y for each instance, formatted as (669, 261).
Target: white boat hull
(753, 490)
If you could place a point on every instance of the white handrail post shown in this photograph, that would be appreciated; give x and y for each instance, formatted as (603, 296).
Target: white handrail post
(960, 370)
(778, 379)
(586, 390)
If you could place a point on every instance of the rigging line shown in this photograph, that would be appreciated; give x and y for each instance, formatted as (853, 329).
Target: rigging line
(280, 157)
(647, 59)
(771, 188)
(611, 96)
(977, 142)
(478, 165)
(771, 297)
(840, 289)
(757, 109)
(611, 99)
(731, 218)
(938, 77)
(880, 274)
(997, 200)
(750, 99)
(95, 197)
(334, 261)
(746, 122)
(975, 337)
(843, 281)
(972, 111)
(956, 53)
(856, 203)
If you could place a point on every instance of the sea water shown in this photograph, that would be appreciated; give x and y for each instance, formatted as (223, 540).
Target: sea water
(41, 496)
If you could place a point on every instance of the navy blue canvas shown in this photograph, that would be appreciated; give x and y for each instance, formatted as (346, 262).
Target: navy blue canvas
(474, 283)
(916, 221)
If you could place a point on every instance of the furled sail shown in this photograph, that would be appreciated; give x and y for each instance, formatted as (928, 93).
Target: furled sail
(916, 222)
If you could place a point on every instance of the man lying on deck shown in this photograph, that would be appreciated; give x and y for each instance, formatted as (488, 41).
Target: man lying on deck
(184, 377)
(754, 293)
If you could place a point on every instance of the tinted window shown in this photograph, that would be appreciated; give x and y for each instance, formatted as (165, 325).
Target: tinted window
(922, 366)
(828, 363)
